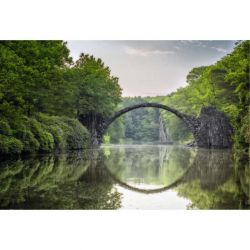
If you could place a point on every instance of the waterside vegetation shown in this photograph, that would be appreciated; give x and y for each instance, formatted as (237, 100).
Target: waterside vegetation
(43, 92)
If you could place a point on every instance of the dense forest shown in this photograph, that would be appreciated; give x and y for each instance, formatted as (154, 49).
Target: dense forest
(224, 85)
(43, 91)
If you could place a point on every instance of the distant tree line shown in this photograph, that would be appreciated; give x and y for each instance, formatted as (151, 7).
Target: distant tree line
(140, 125)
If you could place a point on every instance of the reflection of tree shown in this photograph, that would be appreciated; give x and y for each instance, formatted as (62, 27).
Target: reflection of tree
(56, 182)
(79, 181)
(211, 167)
(242, 176)
(212, 183)
(244, 181)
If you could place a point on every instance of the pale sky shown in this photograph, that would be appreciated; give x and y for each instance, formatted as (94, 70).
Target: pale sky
(151, 67)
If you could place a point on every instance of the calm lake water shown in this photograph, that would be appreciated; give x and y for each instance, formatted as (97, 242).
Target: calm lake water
(126, 177)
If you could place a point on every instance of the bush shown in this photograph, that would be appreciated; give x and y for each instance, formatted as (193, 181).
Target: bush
(31, 144)
(10, 145)
(44, 138)
(15, 145)
(5, 128)
(68, 133)
(58, 135)
(241, 135)
(28, 139)
(42, 133)
(3, 145)
(56, 127)
(77, 135)
(106, 139)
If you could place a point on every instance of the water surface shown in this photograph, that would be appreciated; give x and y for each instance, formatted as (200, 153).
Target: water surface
(126, 177)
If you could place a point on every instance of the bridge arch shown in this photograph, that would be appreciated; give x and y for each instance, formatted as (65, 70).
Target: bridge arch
(211, 129)
(191, 122)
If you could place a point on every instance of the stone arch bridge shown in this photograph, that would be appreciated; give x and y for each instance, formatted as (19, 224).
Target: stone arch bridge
(210, 130)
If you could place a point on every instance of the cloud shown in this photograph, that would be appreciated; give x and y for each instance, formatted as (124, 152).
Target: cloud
(146, 51)
(188, 42)
(203, 44)
(219, 49)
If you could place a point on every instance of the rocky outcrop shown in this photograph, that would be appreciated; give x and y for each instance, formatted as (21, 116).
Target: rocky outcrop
(215, 130)
(96, 126)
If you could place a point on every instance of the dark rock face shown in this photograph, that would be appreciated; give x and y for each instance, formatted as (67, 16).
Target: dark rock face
(211, 130)
(95, 125)
(215, 130)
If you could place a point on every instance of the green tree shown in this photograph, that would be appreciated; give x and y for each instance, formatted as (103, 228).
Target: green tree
(98, 92)
(32, 76)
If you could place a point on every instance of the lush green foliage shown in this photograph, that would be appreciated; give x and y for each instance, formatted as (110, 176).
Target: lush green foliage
(98, 93)
(224, 85)
(43, 133)
(41, 87)
(31, 75)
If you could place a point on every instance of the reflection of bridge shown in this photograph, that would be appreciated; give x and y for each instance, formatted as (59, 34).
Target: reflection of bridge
(211, 130)
(211, 168)
(147, 191)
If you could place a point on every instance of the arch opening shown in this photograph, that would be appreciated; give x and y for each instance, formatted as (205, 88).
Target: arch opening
(133, 122)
